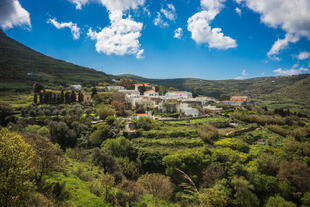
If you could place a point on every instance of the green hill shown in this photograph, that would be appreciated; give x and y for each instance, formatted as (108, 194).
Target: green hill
(18, 63)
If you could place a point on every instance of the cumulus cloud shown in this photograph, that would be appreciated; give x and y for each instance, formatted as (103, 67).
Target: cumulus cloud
(178, 33)
(111, 4)
(158, 21)
(165, 15)
(13, 14)
(291, 16)
(280, 44)
(75, 30)
(238, 11)
(289, 72)
(303, 55)
(212, 5)
(199, 26)
(169, 12)
(120, 38)
(243, 75)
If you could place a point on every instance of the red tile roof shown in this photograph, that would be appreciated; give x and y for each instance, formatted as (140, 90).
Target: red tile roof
(142, 114)
(150, 91)
(142, 84)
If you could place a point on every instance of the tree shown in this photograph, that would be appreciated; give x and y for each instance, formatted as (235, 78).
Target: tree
(80, 97)
(278, 201)
(93, 91)
(62, 97)
(127, 83)
(104, 111)
(102, 133)
(295, 173)
(35, 99)
(48, 157)
(244, 197)
(5, 111)
(215, 196)
(119, 147)
(15, 169)
(37, 88)
(73, 97)
(157, 185)
(119, 107)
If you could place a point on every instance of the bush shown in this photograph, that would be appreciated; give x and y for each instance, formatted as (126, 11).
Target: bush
(278, 201)
(157, 185)
(119, 147)
(208, 133)
(102, 133)
(106, 161)
(104, 111)
(145, 123)
(16, 170)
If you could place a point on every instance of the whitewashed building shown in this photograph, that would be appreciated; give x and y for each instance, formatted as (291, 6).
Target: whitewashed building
(151, 93)
(178, 95)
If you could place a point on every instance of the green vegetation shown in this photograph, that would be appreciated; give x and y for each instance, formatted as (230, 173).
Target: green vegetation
(57, 149)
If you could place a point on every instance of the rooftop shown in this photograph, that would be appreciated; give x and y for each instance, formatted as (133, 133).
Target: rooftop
(234, 101)
(176, 91)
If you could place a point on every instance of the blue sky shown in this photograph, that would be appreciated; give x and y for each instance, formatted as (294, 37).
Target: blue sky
(256, 38)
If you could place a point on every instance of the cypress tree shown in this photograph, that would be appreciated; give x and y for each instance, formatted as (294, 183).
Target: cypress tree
(80, 97)
(62, 97)
(73, 97)
(35, 99)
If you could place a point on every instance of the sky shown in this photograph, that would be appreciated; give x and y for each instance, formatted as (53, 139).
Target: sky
(208, 39)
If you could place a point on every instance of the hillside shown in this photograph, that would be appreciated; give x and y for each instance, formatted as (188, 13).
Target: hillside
(289, 92)
(17, 60)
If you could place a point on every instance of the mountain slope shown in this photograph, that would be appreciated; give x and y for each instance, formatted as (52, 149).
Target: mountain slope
(17, 60)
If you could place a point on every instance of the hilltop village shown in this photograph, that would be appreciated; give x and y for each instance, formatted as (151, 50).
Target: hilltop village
(146, 99)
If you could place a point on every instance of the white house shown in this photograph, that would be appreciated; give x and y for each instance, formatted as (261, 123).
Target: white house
(178, 95)
(118, 88)
(187, 110)
(77, 87)
(151, 93)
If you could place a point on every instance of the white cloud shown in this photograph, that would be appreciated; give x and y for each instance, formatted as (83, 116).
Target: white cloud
(289, 72)
(178, 33)
(140, 54)
(120, 38)
(79, 3)
(112, 4)
(243, 75)
(158, 21)
(13, 14)
(201, 31)
(295, 65)
(212, 5)
(146, 11)
(238, 11)
(280, 44)
(75, 30)
(169, 12)
(303, 55)
(165, 15)
(293, 16)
